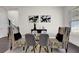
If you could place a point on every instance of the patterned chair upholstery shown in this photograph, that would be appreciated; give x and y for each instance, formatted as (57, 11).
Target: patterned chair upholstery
(13, 42)
(64, 44)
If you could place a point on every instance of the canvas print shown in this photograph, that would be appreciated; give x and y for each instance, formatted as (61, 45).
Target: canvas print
(45, 18)
(33, 18)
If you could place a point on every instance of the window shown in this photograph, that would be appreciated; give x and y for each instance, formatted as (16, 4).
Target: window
(75, 26)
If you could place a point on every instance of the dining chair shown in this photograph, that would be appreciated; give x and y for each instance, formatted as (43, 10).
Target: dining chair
(61, 42)
(43, 42)
(15, 37)
(30, 41)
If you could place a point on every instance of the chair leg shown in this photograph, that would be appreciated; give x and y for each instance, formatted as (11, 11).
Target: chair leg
(23, 48)
(36, 45)
(39, 49)
(51, 49)
(66, 49)
(27, 48)
(34, 48)
(11, 47)
(47, 49)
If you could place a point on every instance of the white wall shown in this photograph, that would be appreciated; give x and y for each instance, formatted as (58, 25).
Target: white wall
(52, 28)
(3, 23)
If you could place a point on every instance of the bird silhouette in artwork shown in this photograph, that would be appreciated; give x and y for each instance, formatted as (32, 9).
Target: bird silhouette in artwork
(45, 19)
(33, 18)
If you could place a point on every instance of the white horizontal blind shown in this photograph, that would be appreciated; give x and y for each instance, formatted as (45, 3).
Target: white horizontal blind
(75, 26)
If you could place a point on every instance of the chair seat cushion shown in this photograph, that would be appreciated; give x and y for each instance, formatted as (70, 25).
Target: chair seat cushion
(55, 43)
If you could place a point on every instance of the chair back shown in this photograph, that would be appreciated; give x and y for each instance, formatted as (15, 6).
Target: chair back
(65, 31)
(66, 34)
(61, 30)
(30, 39)
(43, 39)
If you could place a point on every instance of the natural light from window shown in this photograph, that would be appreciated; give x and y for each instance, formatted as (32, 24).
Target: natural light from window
(75, 26)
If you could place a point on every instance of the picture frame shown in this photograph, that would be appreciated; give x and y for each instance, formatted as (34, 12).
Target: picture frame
(45, 18)
(33, 18)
